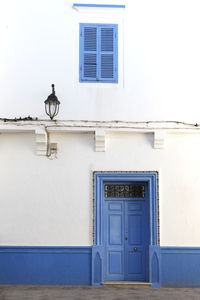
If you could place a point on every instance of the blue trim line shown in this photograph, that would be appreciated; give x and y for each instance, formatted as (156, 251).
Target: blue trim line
(148, 177)
(175, 250)
(99, 5)
(45, 249)
(98, 252)
(45, 265)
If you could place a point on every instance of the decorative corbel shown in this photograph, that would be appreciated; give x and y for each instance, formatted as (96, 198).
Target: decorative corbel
(159, 139)
(100, 140)
(41, 141)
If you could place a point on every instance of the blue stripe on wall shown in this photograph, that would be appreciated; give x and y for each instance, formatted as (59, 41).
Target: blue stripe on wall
(98, 5)
(180, 266)
(45, 265)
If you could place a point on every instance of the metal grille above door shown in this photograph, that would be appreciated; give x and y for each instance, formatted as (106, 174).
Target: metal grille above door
(124, 191)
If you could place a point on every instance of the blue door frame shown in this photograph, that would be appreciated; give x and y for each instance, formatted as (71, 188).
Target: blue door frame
(100, 178)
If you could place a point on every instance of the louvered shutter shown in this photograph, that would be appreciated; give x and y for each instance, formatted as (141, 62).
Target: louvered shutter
(98, 53)
(88, 52)
(108, 53)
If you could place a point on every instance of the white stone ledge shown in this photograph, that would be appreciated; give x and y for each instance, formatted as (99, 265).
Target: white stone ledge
(74, 125)
(99, 128)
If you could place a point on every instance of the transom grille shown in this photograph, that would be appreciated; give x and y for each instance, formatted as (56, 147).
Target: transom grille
(124, 191)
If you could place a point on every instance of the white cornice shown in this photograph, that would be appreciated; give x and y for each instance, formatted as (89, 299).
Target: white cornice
(82, 125)
(100, 129)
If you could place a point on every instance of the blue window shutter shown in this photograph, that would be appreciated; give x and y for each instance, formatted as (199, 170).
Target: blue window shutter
(99, 53)
(108, 53)
(88, 52)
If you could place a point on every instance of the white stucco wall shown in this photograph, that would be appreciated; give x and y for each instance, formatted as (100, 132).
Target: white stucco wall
(159, 60)
(49, 202)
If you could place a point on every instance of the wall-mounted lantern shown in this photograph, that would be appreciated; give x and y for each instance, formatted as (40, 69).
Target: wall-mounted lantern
(52, 104)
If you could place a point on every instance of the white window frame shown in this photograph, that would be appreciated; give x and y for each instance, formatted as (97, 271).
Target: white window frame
(103, 16)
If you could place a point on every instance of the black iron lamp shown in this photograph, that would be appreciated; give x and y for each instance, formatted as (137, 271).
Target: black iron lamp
(52, 104)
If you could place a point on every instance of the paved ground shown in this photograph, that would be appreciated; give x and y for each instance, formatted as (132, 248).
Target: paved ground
(22, 292)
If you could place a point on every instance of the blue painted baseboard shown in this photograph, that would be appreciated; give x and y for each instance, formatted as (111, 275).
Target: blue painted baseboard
(45, 265)
(180, 266)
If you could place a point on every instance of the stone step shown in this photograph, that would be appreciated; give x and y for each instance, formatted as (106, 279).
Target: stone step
(127, 284)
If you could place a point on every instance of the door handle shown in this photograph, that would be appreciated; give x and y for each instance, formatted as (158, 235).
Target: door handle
(135, 249)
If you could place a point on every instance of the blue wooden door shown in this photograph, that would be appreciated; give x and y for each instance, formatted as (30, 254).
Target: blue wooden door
(125, 240)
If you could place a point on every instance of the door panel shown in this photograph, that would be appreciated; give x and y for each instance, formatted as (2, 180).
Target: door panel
(134, 229)
(134, 206)
(134, 262)
(115, 228)
(115, 262)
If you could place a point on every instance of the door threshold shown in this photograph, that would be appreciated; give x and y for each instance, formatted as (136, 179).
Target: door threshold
(127, 284)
